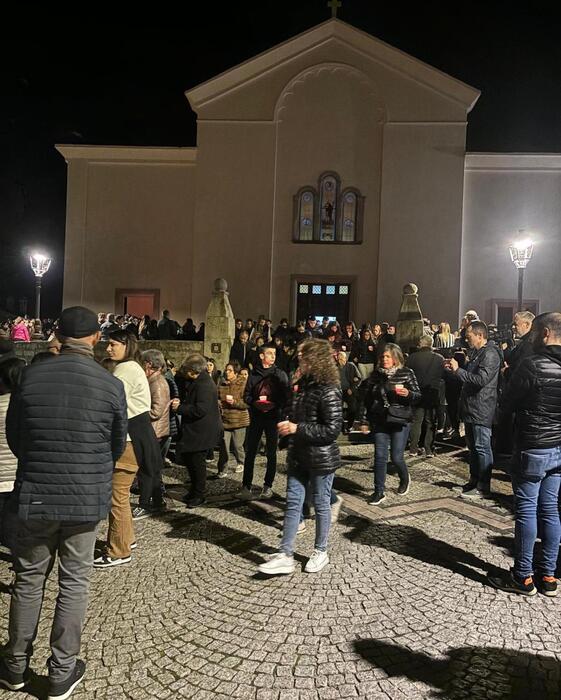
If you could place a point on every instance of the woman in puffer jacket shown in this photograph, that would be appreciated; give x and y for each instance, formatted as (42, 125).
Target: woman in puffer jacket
(389, 395)
(235, 417)
(316, 419)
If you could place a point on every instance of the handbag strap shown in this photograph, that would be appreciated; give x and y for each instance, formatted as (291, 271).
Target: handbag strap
(384, 395)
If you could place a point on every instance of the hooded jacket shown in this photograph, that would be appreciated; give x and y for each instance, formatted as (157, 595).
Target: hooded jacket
(271, 382)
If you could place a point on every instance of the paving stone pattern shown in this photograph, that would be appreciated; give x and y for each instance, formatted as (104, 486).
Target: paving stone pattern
(401, 612)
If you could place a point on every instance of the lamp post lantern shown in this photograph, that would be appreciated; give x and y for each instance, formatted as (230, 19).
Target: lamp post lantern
(521, 254)
(40, 265)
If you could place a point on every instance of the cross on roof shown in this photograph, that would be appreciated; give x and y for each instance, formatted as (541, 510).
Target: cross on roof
(334, 5)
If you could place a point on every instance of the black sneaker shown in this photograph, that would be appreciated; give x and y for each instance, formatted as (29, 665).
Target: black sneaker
(62, 691)
(510, 583)
(403, 486)
(376, 498)
(139, 513)
(547, 585)
(469, 486)
(194, 502)
(9, 680)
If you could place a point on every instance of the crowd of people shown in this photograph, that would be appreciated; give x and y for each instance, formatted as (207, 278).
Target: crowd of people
(78, 437)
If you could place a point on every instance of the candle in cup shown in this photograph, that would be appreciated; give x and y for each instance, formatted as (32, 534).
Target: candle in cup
(229, 397)
(398, 387)
(263, 398)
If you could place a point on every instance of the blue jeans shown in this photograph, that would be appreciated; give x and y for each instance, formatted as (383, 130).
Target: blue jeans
(393, 441)
(536, 493)
(320, 486)
(478, 441)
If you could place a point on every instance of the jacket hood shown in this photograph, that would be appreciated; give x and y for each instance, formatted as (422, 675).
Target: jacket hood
(553, 351)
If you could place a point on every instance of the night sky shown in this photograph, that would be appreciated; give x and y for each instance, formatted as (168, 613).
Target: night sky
(112, 80)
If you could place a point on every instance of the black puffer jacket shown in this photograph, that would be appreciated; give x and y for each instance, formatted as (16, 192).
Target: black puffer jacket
(67, 425)
(318, 411)
(534, 395)
(478, 399)
(374, 400)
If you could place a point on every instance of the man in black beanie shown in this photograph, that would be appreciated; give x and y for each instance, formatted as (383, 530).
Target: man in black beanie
(67, 425)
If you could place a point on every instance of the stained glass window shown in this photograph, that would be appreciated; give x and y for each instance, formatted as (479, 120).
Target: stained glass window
(348, 233)
(343, 289)
(328, 207)
(330, 289)
(316, 289)
(306, 216)
(303, 289)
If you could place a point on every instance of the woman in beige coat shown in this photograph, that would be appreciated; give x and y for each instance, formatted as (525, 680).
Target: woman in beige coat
(235, 417)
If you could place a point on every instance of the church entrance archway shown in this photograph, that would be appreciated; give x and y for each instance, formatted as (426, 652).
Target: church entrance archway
(320, 296)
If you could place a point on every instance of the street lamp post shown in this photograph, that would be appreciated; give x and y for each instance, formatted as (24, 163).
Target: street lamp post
(40, 265)
(521, 254)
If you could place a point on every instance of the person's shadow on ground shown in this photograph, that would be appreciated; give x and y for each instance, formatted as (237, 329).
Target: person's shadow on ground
(413, 542)
(469, 672)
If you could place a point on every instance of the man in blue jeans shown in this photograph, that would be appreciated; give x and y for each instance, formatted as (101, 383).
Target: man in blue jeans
(477, 405)
(533, 394)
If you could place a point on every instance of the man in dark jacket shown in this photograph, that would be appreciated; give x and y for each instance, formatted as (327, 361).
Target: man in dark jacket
(478, 402)
(266, 393)
(524, 348)
(167, 327)
(533, 394)
(429, 370)
(67, 425)
(350, 379)
(201, 425)
(241, 349)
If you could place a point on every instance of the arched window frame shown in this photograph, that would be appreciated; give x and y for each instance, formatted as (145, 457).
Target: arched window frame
(297, 226)
(339, 206)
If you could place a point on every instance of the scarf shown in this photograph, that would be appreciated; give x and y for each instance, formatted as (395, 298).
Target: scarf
(70, 346)
(388, 372)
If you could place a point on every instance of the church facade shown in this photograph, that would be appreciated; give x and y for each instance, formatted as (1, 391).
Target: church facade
(328, 172)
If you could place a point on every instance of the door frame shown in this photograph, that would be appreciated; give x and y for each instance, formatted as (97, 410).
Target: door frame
(295, 280)
(120, 295)
(492, 306)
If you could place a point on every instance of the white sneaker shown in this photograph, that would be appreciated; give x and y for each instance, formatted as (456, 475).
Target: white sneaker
(279, 563)
(316, 562)
(266, 492)
(245, 494)
(301, 527)
(239, 468)
(335, 509)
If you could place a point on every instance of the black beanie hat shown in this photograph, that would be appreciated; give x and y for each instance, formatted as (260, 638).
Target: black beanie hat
(77, 322)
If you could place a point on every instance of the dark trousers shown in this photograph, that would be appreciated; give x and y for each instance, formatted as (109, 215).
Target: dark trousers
(150, 485)
(427, 417)
(351, 401)
(196, 466)
(257, 427)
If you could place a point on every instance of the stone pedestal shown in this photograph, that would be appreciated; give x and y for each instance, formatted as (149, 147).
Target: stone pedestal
(219, 325)
(409, 326)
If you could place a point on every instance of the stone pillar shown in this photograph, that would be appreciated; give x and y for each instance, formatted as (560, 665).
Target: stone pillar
(409, 326)
(219, 325)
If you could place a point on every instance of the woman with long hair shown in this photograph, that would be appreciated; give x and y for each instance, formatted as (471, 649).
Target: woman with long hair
(444, 338)
(235, 417)
(390, 392)
(315, 421)
(142, 454)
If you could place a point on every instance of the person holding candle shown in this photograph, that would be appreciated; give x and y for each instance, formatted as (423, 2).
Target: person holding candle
(235, 417)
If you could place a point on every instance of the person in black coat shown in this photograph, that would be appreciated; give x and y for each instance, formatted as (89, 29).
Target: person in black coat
(315, 421)
(390, 392)
(201, 425)
(67, 425)
(533, 394)
(428, 367)
(242, 349)
(477, 406)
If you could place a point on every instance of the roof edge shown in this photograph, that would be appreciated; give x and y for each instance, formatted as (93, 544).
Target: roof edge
(124, 154)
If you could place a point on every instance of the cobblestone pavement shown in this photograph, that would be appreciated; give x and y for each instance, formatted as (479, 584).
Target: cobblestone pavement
(401, 612)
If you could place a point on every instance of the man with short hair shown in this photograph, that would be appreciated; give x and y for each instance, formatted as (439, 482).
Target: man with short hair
(167, 327)
(312, 327)
(477, 405)
(201, 425)
(429, 370)
(266, 393)
(108, 326)
(241, 349)
(350, 380)
(533, 394)
(67, 425)
(524, 348)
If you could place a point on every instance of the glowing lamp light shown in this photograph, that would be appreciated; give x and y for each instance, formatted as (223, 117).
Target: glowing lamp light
(521, 253)
(39, 264)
